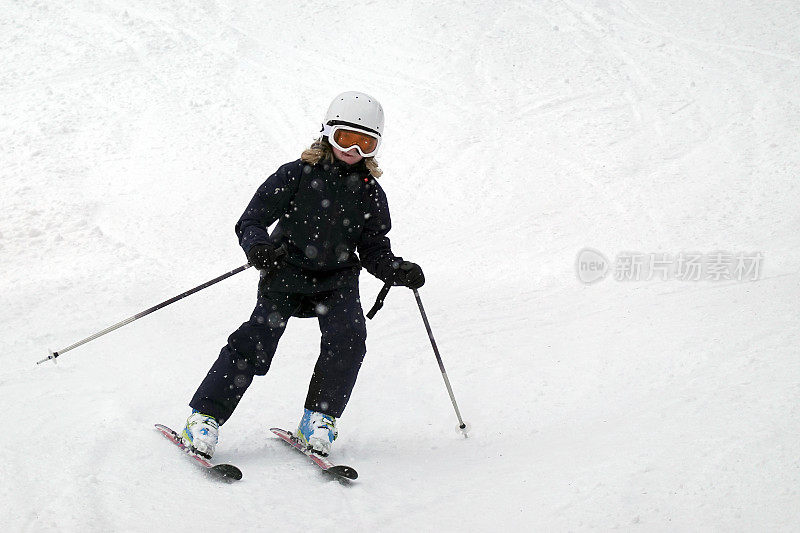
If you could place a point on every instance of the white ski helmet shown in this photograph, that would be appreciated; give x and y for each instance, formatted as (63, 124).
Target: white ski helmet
(356, 111)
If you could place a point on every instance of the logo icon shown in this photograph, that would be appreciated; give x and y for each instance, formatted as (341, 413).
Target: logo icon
(591, 266)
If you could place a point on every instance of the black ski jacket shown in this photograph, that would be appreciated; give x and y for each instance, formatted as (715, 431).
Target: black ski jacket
(326, 213)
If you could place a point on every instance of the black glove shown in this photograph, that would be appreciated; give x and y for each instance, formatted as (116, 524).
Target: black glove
(410, 275)
(266, 257)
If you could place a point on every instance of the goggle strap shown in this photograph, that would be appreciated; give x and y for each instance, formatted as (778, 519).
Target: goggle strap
(328, 128)
(353, 125)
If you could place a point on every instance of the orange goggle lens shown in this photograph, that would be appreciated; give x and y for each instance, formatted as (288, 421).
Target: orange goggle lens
(348, 139)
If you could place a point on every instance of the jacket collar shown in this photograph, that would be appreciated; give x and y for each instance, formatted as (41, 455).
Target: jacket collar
(344, 168)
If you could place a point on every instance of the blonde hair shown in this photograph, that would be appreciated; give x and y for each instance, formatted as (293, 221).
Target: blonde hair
(322, 149)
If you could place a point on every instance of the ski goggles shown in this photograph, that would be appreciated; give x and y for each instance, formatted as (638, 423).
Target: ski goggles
(347, 137)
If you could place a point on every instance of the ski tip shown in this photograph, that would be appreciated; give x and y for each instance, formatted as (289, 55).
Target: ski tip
(343, 471)
(226, 472)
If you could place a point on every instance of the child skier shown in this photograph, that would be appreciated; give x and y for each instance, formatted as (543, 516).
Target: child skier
(329, 207)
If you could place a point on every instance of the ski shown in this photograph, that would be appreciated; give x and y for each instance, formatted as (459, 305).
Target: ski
(225, 472)
(340, 471)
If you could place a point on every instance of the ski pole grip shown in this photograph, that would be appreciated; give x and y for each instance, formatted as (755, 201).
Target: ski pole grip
(379, 300)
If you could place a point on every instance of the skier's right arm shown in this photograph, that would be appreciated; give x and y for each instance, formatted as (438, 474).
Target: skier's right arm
(270, 202)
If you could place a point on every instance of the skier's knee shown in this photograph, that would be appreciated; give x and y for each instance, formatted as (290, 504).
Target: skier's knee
(251, 351)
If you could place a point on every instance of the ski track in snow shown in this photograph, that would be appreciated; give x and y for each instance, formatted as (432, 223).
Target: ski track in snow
(132, 137)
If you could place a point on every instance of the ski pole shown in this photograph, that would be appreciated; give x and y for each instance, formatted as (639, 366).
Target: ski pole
(146, 312)
(462, 426)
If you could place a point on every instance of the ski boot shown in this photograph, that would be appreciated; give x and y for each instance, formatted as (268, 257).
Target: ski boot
(201, 433)
(317, 431)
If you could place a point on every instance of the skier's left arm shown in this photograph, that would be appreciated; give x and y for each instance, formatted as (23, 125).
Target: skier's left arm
(374, 248)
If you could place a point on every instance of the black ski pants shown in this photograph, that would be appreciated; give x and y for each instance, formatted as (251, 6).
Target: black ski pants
(250, 350)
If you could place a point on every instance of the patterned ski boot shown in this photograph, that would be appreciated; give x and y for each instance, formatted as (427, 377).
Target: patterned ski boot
(201, 433)
(317, 431)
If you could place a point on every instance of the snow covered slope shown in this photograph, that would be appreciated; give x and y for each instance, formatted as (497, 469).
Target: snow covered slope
(133, 134)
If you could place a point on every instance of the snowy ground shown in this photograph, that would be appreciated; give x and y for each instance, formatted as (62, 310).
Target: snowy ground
(518, 133)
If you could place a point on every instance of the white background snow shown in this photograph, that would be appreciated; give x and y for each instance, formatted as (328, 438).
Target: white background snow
(133, 134)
